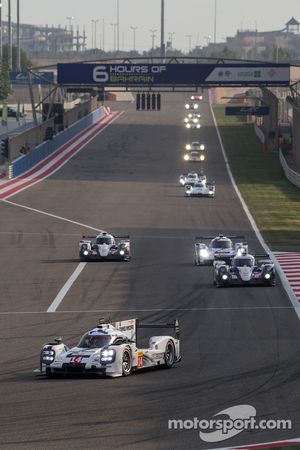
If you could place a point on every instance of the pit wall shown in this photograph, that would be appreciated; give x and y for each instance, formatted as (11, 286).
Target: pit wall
(22, 164)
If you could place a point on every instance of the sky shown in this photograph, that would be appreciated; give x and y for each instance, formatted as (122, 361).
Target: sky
(182, 18)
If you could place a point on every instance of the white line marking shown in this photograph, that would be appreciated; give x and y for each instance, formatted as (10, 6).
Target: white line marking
(67, 286)
(96, 311)
(293, 299)
(51, 215)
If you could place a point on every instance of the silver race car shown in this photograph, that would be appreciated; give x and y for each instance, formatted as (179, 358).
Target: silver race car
(104, 246)
(202, 188)
(220, 248)
(194, 152)
(192, 122)
(111, 349)
(245, 270)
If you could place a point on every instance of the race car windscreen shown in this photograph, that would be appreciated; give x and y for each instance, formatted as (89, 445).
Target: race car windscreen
(94, 341)
(216, 243)
(104, 240)
(240, 262)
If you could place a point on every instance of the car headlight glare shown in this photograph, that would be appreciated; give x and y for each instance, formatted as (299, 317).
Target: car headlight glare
(188, 147)
(202, 157)
(107, 355)
(204, 253)
(85, 252)
(122, 252)
(188, 125)
(198, 125)
(186, 157)
(202, 147)
(187, 106)
(267, 276)
(224, 276)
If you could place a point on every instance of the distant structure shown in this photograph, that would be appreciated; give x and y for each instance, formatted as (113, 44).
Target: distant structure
(45, 39)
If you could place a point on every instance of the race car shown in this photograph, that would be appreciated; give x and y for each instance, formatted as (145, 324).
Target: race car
(245, 270)
(195, 145)
(194, 115)
(111, 349)
(189, 178)
(194, 152)
(192, 105)
(220, 248)
(196, 97)
(104, 246)
(200, 189)
(192, 123)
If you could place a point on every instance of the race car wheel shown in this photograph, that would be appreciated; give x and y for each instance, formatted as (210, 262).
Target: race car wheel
(170, 355)
(126, 363)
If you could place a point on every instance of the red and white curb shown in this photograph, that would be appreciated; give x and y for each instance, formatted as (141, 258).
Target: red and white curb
(265, 445)
(290, 265)
(57, 159)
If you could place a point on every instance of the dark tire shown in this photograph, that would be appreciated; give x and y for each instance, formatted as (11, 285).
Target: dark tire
(170, 355)
(126, 363)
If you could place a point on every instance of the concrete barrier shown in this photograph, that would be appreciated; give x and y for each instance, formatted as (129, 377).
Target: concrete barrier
(292, 176)
(22, 164)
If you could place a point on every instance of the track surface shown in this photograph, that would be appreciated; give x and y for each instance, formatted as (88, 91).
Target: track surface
(238, 345)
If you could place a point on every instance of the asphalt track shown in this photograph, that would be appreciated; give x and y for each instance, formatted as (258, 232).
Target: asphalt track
(239, 346)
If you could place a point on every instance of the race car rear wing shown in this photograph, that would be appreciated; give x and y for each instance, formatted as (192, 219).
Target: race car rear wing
(219, 236)
(130, 327)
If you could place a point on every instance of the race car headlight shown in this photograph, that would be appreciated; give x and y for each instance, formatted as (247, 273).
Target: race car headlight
(202, 147)
(188, 125)
(202, 157)
(107, 356)
(204, 253)
(196, 106)
(192, 97)
(267, 276)
(122, 252)
(48, 356)
(198, 125)
(186, 157)
(188, 147)
(85, 252)
(186, 120)
(195, 119)
(224, 276)
(187, 106)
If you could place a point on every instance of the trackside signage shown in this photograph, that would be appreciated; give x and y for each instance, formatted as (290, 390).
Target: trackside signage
(21, 78)
(173, 74)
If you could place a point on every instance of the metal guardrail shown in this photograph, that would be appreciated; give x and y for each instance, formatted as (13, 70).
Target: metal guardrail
(291, 175)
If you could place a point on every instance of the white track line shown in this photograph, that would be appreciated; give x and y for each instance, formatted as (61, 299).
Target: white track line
(67, 286)
(51, 215)
(97, 311)
(294, 300)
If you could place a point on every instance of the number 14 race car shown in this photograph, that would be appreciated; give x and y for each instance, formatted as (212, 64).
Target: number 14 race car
(111, 349)
(104, 247)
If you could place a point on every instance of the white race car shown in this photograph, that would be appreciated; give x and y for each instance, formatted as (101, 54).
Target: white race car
(192, 105)
(202, 188)
(220, 248)
(189, 178)
(195, 145)
(194, 156)
(111, 349)
(245, 270)
(192, 123)
(104, 246)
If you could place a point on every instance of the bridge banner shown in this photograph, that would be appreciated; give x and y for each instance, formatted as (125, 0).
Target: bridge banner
(180, 74)
(246, 110)
(21, 78)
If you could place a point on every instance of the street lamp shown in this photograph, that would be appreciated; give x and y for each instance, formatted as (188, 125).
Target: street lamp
(118, 26)
(9, 36)
(152, 36)
(162, 29)
(215, 23)
(189, 36)
(94, 32)
(134, 30)
(114, 25)
(0, 37)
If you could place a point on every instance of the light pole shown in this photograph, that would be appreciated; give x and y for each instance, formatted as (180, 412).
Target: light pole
(114, 25)
(94, 32)
(18, 37)
(134, 30)
(170, 36)
(153, 32)
(0, 37)
(9, 36)
(103, 34)
(215, 23)
(189, 36)
(162, 29)
(118, 26)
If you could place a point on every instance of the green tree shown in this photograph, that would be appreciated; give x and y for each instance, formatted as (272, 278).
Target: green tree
(5, 89)
(25, 61)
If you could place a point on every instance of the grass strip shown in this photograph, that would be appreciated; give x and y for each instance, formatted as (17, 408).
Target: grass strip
(273, 201)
